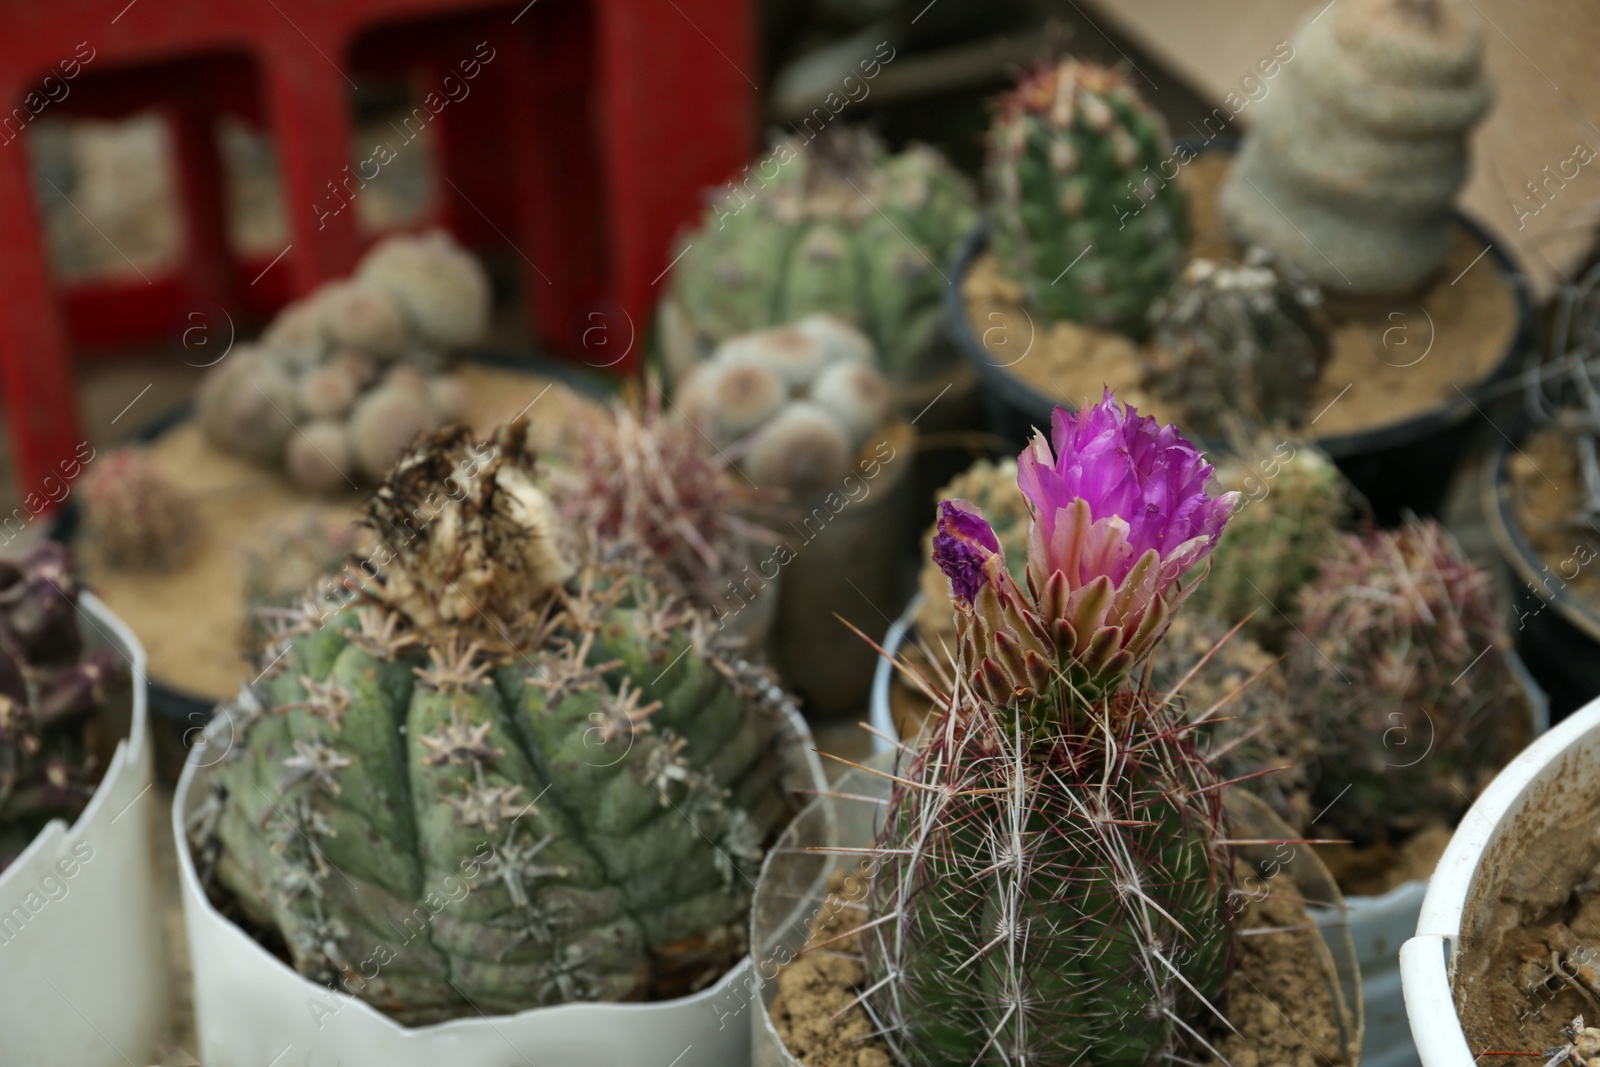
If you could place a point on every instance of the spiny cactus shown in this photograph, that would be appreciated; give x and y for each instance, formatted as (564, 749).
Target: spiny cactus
(1350, 165)
(135, 516)
(343, 380)
(51, 691)
(841, 227)
(799, 402)
(1238, 345)
(1293, 501)
(1402, 671)
(1084, 216)
(648, 490)
(1053, 868)
(499, 781)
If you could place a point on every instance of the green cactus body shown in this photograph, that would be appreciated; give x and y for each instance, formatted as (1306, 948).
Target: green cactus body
(841, 227)
(1085, 217)
(1034, 917)
(566, 800)
(1238, 344)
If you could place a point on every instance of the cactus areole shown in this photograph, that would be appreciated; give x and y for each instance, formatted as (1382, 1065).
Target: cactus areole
(1053, 874)
(497, 780)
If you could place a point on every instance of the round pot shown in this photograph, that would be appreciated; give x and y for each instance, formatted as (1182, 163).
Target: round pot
(845, 555)
(250, 1006)
(1377, 924)
(1557, 635)
(794, 888)
(178, 716)
(1553, 783)
(82, 963)
(1404, 466)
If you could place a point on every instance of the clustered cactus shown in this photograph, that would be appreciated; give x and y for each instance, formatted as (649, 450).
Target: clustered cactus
(646, 489)
(52, 690)
(136, 517)
(1351, 164)
(796, 402)
(1053, 872)
(342, 381)
(1402, 673)
(1238, 345)
(1085, 216)
(840, 227)
(499, 779)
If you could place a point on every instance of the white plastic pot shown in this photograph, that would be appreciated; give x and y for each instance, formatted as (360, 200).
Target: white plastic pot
(1378, 924)
(1553, 783)
(253, 1010)
(82, 968)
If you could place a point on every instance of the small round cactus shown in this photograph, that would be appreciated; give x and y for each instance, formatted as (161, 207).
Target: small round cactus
(799, 402)
(364, 316)
(1350, 166)
(319, 457)
(1085, 216)
(1238, 346)
(137, 518)
(839, 226)
(386, 420)
(443, 290)
(247, 403)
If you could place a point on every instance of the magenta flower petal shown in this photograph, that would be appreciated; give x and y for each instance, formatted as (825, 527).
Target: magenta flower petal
(962, 545)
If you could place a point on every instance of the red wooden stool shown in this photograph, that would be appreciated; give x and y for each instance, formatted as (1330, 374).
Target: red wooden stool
(584, 143)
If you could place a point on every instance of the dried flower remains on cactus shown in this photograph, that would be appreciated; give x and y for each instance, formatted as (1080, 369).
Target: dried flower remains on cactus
(504, 778)
(1053, 874)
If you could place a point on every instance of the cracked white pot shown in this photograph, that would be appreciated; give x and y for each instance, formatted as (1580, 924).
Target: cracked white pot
(82, 967)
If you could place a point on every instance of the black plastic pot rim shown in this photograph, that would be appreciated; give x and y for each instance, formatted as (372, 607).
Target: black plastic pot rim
(1519, 552)
(1434, 420)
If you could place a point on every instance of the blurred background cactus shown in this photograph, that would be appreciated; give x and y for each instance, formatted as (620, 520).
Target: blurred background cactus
(1238, 345)
(554, 771)
(794, 404)
(343, 380)
(52, 693)
(1351, 164)
(840, 226)
(1401, 670)
(135, 516)
(1084, 215)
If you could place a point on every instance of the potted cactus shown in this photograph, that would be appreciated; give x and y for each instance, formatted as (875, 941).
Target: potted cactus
(1115, 257)
(1055, 868)
(77, 882)
(341, 381)
(803, 413)
(499, 792)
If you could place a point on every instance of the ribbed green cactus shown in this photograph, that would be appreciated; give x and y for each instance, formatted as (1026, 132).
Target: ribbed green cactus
(1087, 215)
(1051, 881)
(498, 783)
(1351, 163)
(1238, 345)
(50, 693)
(1401, 669)
(836, 225)
(1293, 501)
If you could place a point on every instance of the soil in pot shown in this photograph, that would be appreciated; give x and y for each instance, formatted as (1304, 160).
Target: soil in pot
(1546, 494)
(1382, 369)
(1534, 961)
(191, 620)
(1279, 1000)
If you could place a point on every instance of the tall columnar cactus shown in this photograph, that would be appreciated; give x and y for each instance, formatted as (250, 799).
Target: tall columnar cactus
(1053, 867)
(1352, 162)
(1293, 501)
(51, 690)
(498, 782)
(836, 225)
(136, 517)
(1402, 671)
(1238, 345)
(1086, 215)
